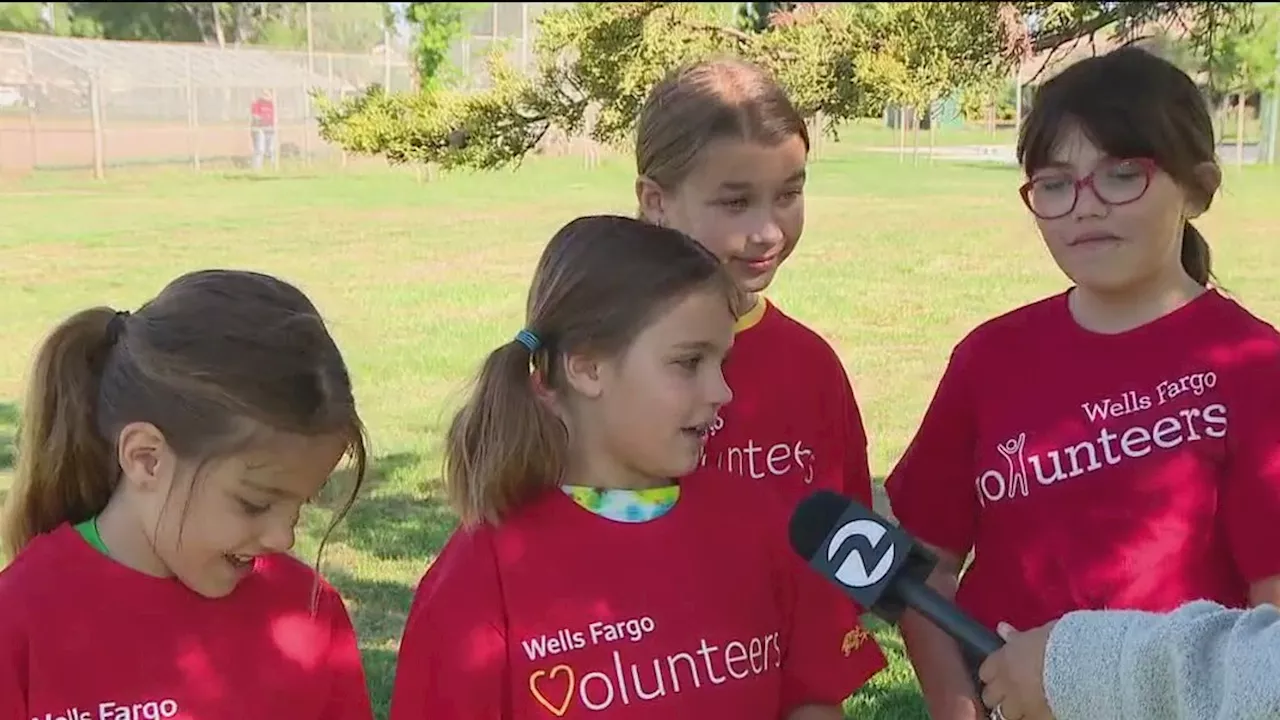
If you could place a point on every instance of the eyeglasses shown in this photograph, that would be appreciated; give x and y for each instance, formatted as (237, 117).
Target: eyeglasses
(1056, 193)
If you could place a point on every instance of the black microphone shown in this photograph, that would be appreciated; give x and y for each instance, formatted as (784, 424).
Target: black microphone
(878, 565)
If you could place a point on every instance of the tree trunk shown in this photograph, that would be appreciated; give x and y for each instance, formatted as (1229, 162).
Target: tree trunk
(1240, 107)
(901, 132)
(933, 132)
(915, 135)
(218, 32)
(243, 21)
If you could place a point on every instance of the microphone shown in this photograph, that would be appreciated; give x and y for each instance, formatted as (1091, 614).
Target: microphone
(879, 566)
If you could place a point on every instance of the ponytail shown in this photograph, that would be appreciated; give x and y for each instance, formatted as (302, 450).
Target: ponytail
(64, 471)
(505, 444)
(1196, 259)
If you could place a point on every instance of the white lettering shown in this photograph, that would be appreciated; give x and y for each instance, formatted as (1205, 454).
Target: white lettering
(153, 710)
(1195, 383)
(758, 461)
(1187, 425)
(586, 697)
(1129, 403)
(112, 710)
(633, 630)
(545, 646)
(654, 678)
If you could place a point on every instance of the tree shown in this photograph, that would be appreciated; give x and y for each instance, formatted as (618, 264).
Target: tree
(842, 60)
(437, 26)
(335, 26)
(25, 17)
(1232, 53)
(1241, 60)
(755, 16)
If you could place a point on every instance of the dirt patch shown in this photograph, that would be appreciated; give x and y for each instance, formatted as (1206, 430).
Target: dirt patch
(69, 143)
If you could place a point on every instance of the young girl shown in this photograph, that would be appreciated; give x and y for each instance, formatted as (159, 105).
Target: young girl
(586, 577)
(1115, 445)
(164, 458)
(721, 155)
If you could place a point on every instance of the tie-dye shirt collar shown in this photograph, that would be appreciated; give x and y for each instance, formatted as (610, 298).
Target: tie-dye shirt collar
(631, 506)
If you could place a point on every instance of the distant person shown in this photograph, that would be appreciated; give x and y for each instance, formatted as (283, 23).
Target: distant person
(721, 155)
(1115, 445)
(263, 127)
(593, 576)
(163, 461)
(1201, 661)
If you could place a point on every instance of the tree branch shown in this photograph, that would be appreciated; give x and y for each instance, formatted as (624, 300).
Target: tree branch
(1053, 40)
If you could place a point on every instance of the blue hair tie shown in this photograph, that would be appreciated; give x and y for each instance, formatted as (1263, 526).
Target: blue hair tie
(529, 340)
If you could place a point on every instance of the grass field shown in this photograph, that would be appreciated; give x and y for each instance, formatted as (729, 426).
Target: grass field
(420, 280)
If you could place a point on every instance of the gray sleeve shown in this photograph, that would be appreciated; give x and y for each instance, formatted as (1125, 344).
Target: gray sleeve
(1202, 661)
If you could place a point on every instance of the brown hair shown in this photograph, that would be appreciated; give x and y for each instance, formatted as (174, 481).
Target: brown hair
(705, 101)
(216, 359)
(1130, 103)
(600, 282)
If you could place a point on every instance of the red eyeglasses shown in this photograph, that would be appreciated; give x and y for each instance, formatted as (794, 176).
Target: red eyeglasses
(1055, 193)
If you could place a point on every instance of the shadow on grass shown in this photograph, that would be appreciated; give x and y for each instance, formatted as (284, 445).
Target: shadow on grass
(380, 674)
(396, 516)
(387, 521)
(8, 434)
(894, 694)
(888, 702)
(880, 498)
(378, 609)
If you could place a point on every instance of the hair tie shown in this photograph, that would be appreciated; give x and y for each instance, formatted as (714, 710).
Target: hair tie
(115, 327)
(529, 340)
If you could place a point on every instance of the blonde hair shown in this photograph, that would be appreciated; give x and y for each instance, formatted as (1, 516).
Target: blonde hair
(600, 282)
(705, 101)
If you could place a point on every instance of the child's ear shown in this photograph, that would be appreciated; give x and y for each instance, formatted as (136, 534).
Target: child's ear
(583, 373)
(650, 198)
(146, 461)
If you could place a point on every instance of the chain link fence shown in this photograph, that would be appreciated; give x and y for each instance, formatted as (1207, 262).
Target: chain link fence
(77, 103)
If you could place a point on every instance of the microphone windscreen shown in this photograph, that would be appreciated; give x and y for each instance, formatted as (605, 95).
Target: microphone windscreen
(813, 519)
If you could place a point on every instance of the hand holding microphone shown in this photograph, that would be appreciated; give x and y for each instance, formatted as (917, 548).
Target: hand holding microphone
(879, 566)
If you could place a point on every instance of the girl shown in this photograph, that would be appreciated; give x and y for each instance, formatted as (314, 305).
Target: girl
(1115, 445)
(586, 578)
(164, 458)
(720, 156)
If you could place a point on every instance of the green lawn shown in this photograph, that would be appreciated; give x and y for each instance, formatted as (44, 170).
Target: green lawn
(420, 280)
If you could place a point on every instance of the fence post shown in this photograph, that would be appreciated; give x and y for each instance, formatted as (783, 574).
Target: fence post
(32, 133)
(335, 90)
(193, 118)
(386, 59)
(1272, 125)
(95, 118)
(307, 86)
(275, 129)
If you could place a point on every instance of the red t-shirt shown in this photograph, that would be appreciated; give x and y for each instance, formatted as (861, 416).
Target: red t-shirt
(264, 112)
(1088, 471)
(793, 416)
(704, 612)
(83, 637)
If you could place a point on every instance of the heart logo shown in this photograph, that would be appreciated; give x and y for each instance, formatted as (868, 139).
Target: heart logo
(560, 709)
